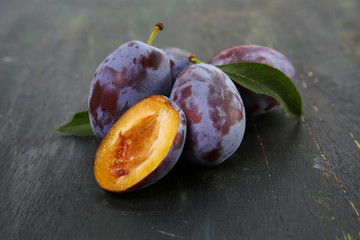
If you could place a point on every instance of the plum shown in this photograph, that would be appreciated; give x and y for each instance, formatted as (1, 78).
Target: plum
(214, 111)
(179, 60)
(255, 104)
(133, 71)
(142, 146)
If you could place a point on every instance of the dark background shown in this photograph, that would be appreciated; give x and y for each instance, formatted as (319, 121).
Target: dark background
(288, 180)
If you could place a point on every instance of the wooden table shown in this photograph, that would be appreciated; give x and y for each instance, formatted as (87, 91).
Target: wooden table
(288, 180)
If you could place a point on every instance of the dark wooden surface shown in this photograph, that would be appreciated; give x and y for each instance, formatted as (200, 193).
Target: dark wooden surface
(288, 180)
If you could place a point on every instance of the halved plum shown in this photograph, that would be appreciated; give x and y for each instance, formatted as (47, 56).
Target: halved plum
(142, 146)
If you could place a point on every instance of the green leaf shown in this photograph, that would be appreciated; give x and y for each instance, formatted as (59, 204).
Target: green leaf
(264, 79)
(78, 126)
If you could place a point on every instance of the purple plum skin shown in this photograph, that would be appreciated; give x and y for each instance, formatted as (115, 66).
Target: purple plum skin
(132, 72)
(179, 60)
(255, 104)
(171, 157)
(215, 114)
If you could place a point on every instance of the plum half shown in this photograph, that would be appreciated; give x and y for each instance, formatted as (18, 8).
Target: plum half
(255, 104)
(215, 114)
(142, 146)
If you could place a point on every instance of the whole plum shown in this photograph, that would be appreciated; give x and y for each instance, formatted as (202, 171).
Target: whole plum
(179, 60)
(255, 104)
(214, 111)
(132, 72)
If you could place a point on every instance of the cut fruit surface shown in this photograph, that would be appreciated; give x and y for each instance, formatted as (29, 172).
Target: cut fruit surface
(138, 149)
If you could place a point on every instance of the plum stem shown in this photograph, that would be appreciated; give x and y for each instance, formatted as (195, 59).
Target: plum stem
(158, 27)
(193, 59)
